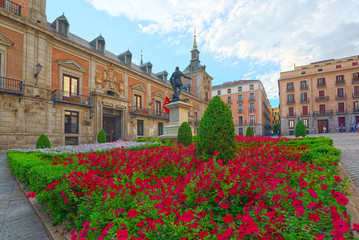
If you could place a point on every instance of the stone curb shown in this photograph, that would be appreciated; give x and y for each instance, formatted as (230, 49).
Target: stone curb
(353, 205)
(58, 232)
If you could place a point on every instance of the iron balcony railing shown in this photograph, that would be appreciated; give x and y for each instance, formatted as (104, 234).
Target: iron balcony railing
(342, 96)
(340, 82)
(291, 115)
(304, 114)
(355, 110)
(339, 112)
(11, 7)
(290, 89)
(146, 112)
(355, 95)
(70, 98)
(355, 79)
(323, 113)
(303, 87)
(290, 101)
(321, 85)
(319, 99)
(304, 100)
(12, 86)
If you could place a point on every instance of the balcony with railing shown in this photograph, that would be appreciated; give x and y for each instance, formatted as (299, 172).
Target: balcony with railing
(321, 84)
(323, 113)
(304, 114)
(251, 109)
(304, 100)
(229, 101)
(341, 112)
(240, 110)
(341, 96)
(355, 80)
(290, 101)
(240, 101)
(355, 95)
(11, 7)
(240, 124)
(252, 99)
(146, 112)
(320, 99)
(291, 115)
(356, 110)
(11, 86)
(59, 96)
(304, 87)
(290, 89)
(340, 82)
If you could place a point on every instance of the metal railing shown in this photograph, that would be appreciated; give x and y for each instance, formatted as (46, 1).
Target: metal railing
(340, 82)
(355, 80)
(11, 7)
(290, 89)
(323, 113)
(341, 111)
(304, 100)
(305, 114)
(146, 112)
(319, 99)
(355, 95)
(70, 98)
(343, 96)
(11, 86)
(321, 84)
(305, 87)
(291, 115)
(290, 101)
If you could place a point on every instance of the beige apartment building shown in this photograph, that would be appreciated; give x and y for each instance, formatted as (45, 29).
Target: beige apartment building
(324, 95)
(249, 104)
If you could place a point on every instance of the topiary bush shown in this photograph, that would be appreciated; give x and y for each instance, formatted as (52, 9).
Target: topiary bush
(300, 129)
(249, 132)
(184, 134)
(43, 142)
(101, 136)
(216, 131)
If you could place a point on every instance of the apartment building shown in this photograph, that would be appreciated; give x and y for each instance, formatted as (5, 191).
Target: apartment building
(324, 95)
(54, 82)
(249, 104)
(275, 113)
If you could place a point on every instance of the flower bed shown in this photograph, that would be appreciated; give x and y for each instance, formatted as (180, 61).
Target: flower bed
(272, 190)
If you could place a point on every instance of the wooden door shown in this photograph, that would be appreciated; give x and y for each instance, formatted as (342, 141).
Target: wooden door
(109, 128)
(322, 124)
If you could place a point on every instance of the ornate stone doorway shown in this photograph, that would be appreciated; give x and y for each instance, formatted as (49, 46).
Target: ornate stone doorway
(112, 124)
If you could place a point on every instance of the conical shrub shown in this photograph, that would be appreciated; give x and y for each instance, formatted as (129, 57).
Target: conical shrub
(101, 136)
(299, 130)
(43, 142)
(184, 134)
(249, 132)
(216, 131)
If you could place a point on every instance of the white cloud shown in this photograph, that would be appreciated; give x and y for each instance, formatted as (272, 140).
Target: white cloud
(281, 32)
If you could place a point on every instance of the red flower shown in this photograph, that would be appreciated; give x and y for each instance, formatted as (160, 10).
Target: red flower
(122, 234)
(216, 185)
(66, 199)
(31, 195)
(297, 203)
(203, 234)
(132, 213)
(356, 227)
(224, 205)
(182, 197)
(341, 225)
(228, 218)
(187, 216)
(303, 184)
(314, 217)
(342, 200)
(319, 237)
(338, 179)
(217, 200)
(312, 193)
(324, 187)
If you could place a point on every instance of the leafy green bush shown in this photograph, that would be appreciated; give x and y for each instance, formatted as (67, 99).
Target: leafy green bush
(194, 138)
(43, 142)
(299, 130)
(216, 131)
(184, 134)
(101, 136)
(249, 132)
(148, 139)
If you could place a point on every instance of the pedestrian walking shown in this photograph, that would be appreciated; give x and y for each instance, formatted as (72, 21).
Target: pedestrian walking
(324, 129)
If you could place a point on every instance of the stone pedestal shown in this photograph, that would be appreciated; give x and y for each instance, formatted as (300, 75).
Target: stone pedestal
(178, 115)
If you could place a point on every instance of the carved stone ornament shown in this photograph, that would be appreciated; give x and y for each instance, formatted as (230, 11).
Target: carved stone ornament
(98, 76)
(7, 104)
(110, 74)
(207, 83)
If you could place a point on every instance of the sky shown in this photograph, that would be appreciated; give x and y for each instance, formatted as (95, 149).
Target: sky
(237, 39)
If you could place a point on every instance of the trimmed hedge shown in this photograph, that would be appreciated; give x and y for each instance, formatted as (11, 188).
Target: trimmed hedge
(299, 130)
(101, 136)
(249, 132)
(184, 134)
(43, 142)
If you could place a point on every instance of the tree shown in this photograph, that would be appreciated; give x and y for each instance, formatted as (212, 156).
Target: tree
(276, 128)
(216, 131)
(184, 134)
(300, 129)
(249, 132)
(43, 142)
(101, 136)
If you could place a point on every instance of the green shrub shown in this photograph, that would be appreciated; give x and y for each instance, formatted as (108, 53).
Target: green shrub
(184, 134)
(216, 131)
(148, 139)
(101, 136)
(300, 129)
(249, 132)
(43, 142)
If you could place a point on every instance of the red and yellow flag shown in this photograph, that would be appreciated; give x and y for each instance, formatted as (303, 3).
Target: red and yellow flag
(167, 101)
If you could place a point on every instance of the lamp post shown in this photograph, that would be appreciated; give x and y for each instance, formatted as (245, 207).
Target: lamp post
(38, 68)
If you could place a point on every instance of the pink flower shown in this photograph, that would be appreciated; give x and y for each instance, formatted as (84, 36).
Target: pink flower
(319, 237)
(303, 184)
(356, 227)
(228, 218)
(342, 200)
(122, 234)
(314, 217)
(341, 225)
(312, 193)
(132, 213)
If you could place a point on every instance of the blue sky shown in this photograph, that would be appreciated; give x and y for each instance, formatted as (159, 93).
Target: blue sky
(238, 39)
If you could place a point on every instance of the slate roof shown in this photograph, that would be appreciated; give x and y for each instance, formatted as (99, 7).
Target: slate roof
(234, 83)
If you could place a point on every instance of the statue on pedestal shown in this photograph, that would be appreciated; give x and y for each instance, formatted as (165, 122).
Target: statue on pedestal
(177, 84)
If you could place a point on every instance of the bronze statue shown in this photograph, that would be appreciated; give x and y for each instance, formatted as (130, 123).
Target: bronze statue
(177, 84)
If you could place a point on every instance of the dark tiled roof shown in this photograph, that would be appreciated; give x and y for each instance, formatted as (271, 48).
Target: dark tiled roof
(231, 84)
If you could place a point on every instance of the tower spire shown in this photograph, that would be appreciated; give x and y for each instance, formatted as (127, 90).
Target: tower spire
(195, 52)
(194, 40)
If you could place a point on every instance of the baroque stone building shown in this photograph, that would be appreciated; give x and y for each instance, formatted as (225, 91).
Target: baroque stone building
(324, 95)
(54, 82)
(249, 104)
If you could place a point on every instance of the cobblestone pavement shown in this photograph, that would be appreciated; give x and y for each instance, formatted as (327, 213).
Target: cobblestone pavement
(18, 220)
(349, 144)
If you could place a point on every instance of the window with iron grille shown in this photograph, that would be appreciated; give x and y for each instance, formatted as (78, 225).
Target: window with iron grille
(291, 111)
(160, 129)
(303, 84)
(290, 98)
(239, 89)
(290, 86)
(304, 97)
(251, 87)
(305, 122)
(251, 107)
(140, 127)
(321, 81)
(228, 90)
(219, 92)
(291, 124)
(71, 122)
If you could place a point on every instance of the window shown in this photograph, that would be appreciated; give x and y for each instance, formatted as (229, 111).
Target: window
(321, 82)
(322, 108)
(240, 131)
(240, 120)
(338, 66)
(240, 108)
(71, 122)
(291, 123)
(356, 106)
(71, 86)
(339, 78)
(341, 108)
(251, 96)
(290, 86)
(290, 98)
(355, 64)
(356, 91)
(229, 99)
(240, 99)
(303, 72)
(219, 92)
(320, 69)
(138, 101)
(140, 127)
(305, 110)
(251, 87)
(158, 108)
(228, 90)
(239, 89)
(356, 75)
(304, 97)
(291, 111)
(63, 28)
(252, 119)
(206, 95)
(341, 122)
(340, 92)
(321, 94)
(305, 122)
(160, 129)
(251, 107)
(303, 84)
